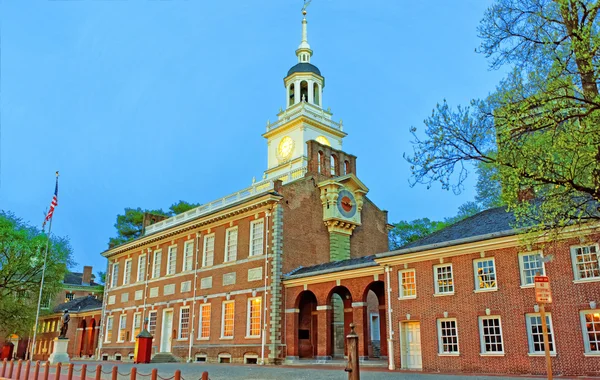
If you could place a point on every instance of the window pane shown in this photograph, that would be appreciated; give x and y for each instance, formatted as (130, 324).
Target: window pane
(254, 317)
(408, 286)
(536, 335)
(448, 337)
(445, 283)
(491, 335)
(531, 265)
(184, 323)
(592, 326)
(586, 262)
(228, 316)
(209, 250)
(257, 238)
(205, 321)
(485, 274)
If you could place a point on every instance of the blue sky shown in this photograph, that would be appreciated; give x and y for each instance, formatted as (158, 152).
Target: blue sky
(144, 103)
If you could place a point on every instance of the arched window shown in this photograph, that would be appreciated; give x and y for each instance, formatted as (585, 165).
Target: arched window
(291, 95)
(320, 163)
(316, 93)
(346, 167)
(303, 91)
(333, 163)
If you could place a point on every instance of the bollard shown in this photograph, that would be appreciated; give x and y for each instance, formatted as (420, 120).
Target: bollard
(98, 372)
(47, 372)
(352, 344)
(18, 374)
(154, 374)
(133, 373)
(58, 368)
(70, 372)
(3, 367)
(177, 375)
(83, 371)
(114, 373)
(10, 369)
(36, 370)
(204, 376)
(27, 369)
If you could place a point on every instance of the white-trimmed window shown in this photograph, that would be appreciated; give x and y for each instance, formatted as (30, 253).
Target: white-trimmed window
(231, 237)
(69, 297)
(156, 263)
(109, 328)
(407, 279)
(590, 326)
(137, 326)
(141, 273)
(227, 319)
(152, 321)
(184, 322)
(257, 232)
(172, 260)
(485, 274)
(444, 279)
(127, 272)
(586, 262)
(204, 323)
(253, 319)
(490, 333)
(115, 275)
(208, 257)
(122, 328)
(530, 263)
(188, 256)
(535, 336)
(447, 336)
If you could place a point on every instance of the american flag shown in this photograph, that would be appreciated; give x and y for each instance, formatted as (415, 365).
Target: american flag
(53, 204)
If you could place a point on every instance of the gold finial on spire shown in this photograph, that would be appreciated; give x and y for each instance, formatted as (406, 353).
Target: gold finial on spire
(306, 3)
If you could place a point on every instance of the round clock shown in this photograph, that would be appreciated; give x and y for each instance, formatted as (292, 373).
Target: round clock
(323, 140)
(285, 148)
(346, 203)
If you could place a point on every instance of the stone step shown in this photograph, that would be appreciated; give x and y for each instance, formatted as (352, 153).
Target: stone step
(165, 357)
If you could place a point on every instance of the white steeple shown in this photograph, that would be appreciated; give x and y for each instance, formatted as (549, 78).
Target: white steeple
(303, 52)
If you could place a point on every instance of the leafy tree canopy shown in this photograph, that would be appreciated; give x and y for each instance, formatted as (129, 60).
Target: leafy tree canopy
(22, 249)
(540, 129)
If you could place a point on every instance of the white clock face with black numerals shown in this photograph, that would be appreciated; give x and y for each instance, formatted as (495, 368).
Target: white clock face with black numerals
(346, 203)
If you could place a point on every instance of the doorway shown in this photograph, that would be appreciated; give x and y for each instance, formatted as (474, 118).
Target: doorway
(166, 331)
(337, 325)
(411, 345)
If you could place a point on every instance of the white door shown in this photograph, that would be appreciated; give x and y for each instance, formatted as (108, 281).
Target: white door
(411, 345)
(166, 331)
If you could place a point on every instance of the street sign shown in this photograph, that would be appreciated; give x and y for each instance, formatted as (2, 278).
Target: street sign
(542, 289)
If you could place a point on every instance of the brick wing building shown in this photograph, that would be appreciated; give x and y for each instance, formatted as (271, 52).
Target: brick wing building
(209, 281)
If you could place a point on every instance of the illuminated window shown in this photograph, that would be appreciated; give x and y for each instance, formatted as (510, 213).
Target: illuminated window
(490, 332)
(209, 250)
(109, 328)
(530, 264)
(141, 273)
(231, 236)
(535, 335)
(188, 253)
(137, 326)
(127, 272)
(257, 230)
(184, 322)
(590, 323)
(444, 280)
(227, 319)
(152, 322)
(408, 283)
(447, 336)
(122, 327)
(204, 321)
(156, 264)
(485, 274)
(586, 264)
(254, 313)
(172, 260)
(69, 297)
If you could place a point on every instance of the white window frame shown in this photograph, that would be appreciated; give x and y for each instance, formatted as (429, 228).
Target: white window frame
(122, 328)
(584, 331)
(133, 334)
(188, 256)
(231, 256)
(205, 258)
(141, 272)
(524, 283)
(127, 272)
(109, 327)
(401, 284)
(476, 275)
(180, 330)
(156, 264)
(551, 336)
(114, 276)
(436, 280)
(576, 273)
(251, 243)
(249, 318)
(152, 313)
(441, 351)
(201, 321)
(172, 260)
(232, 302)
(482, 336)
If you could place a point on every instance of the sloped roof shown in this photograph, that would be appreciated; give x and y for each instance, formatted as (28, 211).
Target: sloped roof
(81, 304)
(333, 266)
(75, 278)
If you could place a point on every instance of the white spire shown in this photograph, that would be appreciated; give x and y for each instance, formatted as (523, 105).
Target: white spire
(303, 52)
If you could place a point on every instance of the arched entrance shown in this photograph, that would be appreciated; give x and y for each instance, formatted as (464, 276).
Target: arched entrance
(307, 325)
(374, 329)
(91, 336)
(82, 326)
(340, 301)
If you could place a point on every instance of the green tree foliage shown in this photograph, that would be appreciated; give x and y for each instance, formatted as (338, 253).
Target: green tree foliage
(405, 232)
(540, 129)
(101, 276)
(181, 207)
(22, 249)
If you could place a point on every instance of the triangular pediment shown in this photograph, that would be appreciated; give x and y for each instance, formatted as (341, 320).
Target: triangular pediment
(349, 181)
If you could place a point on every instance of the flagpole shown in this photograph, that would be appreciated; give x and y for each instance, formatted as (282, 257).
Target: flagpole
(37, 314)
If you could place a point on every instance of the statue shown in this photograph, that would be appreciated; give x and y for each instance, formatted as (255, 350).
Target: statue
(65, 325)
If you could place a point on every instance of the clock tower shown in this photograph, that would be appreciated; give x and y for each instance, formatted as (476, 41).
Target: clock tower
(303, 118)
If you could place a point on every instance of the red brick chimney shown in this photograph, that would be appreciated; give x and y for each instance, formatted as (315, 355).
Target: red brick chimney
(86, 278)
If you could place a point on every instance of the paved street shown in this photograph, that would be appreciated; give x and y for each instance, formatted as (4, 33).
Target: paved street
(251, 372)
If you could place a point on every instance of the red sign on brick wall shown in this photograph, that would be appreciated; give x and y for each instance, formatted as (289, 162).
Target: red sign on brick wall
(542, 290)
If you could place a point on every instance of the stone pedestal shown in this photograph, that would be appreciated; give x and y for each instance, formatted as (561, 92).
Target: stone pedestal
(59, 353)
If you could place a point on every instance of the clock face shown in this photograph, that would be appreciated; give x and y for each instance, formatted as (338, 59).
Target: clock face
(323, 140)
(346, 203)
(285, 148)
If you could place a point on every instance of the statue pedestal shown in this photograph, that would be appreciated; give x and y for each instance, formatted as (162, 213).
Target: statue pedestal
(59, 354)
